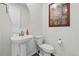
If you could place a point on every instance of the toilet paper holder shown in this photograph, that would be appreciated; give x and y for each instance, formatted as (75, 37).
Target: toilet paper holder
(60, 42)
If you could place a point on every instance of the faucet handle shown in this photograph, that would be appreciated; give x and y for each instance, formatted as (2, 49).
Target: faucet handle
(21, 33)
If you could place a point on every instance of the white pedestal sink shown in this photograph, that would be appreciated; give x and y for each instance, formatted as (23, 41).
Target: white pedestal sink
(19, 45)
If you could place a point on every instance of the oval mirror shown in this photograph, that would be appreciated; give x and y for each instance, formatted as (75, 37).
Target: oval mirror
(19, 14)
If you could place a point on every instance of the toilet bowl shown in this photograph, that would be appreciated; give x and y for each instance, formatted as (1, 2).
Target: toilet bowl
(47, 48)
(44, 48)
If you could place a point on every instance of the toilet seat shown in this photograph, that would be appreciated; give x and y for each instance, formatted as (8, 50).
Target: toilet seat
(47, 48)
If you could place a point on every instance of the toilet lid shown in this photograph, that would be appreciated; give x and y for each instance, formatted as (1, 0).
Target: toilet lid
(46, 46)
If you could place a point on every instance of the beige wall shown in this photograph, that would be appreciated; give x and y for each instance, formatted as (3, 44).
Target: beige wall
(35, 24)
(69, 35)
(7, 28)
(5, 32)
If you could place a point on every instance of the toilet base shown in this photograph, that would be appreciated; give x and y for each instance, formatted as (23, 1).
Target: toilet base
(46, 54)
(52, 54)
(43, 53)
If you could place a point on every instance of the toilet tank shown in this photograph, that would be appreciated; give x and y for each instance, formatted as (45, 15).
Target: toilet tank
(39, 39)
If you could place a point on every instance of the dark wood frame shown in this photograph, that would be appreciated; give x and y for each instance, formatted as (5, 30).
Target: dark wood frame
(68, 16)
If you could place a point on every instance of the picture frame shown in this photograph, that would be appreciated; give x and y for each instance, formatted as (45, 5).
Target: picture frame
(59, 14)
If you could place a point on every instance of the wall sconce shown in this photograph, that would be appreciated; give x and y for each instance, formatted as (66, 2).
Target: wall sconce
(6, 7)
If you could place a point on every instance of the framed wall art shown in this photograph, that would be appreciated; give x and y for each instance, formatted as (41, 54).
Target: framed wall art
(59, 14)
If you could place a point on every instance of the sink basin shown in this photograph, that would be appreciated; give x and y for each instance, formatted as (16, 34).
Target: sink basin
(21, 39)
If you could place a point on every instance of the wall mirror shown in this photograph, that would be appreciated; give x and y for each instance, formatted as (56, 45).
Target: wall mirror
(59, 14)
(19, 14)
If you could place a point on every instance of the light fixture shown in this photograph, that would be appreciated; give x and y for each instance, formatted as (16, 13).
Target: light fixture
(6, 7)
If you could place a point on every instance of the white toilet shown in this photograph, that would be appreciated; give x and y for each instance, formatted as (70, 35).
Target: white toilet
(44, 48)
